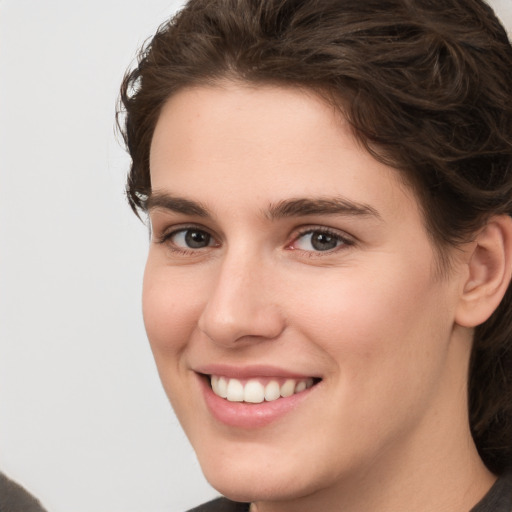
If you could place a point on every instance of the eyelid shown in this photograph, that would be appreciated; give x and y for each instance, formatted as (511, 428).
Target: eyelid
(162, 235)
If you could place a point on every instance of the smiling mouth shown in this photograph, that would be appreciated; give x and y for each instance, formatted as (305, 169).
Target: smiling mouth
(256, 391)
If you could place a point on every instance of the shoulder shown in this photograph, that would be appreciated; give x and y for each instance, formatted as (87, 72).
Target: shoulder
(221, 505)
(14, 498)
(499, 497)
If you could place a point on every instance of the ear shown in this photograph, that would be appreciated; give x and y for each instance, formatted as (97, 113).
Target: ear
(489, 272)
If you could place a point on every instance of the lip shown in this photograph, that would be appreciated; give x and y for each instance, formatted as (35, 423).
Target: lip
(249, 372)
(243, 415)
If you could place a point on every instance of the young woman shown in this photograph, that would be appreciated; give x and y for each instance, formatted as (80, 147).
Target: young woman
(329, 187)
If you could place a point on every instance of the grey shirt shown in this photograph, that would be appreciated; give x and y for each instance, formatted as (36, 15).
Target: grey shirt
(499, 497)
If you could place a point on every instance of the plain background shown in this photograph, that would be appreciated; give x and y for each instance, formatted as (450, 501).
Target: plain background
(84, 423)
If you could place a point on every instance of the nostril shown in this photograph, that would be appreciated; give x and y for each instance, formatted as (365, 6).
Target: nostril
(239, 308)
(240, 326)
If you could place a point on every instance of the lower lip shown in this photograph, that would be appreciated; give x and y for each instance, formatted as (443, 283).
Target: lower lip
(245, 415)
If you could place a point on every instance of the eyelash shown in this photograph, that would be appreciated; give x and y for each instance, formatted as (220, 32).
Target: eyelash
(165, 239)
(343, 241)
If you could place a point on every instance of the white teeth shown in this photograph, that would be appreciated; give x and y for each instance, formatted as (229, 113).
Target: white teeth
(254, 391)
(222, 387)
(219, 386)
(214, 381)
(288, 388)
(272, 391)
(301, 386)
(235, 391)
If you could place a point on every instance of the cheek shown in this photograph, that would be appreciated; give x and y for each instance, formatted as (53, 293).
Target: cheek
(386, 337)
(379, 328)
(170, 307)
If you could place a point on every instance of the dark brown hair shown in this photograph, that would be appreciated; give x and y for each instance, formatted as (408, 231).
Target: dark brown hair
(427, 88)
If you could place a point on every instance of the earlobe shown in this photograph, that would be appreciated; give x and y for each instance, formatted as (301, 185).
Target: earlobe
(489, 272)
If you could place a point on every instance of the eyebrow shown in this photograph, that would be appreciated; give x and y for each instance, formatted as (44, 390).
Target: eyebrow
(300, 207)
(175, 204)
(320, 206)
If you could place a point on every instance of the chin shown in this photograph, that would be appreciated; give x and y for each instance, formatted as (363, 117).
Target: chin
(249, 480)
(238, 487)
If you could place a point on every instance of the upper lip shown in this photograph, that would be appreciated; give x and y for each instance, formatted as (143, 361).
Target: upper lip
(249, 371)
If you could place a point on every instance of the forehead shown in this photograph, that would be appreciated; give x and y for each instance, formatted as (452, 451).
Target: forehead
(241, 145)
(253, 119)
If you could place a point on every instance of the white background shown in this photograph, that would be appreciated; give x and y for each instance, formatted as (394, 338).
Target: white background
(84, 423)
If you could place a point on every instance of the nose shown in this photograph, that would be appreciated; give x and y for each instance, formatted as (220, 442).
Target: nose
(242, 305)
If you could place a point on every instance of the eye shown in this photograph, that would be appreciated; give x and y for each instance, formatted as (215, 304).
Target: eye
(190, 238)
(318, 240)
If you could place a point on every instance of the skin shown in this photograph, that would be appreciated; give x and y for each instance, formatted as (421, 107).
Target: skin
(386, 429)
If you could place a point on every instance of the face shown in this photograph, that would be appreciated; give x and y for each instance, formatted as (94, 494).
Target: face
(292, 272)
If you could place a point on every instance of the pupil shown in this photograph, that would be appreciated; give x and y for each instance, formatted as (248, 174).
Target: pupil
(197, 239)
(323, 242)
